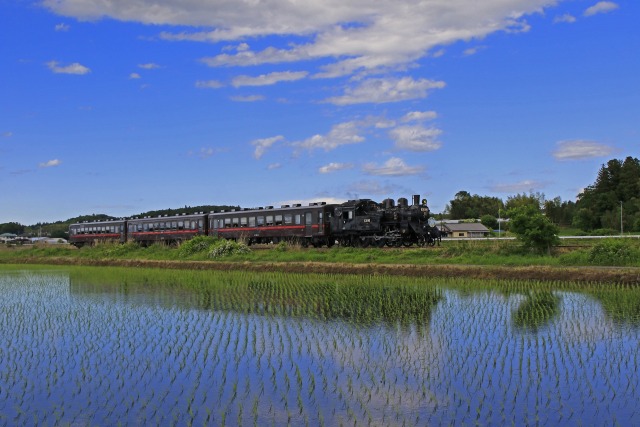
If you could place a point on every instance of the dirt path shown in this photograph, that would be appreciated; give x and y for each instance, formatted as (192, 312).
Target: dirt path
(622, 275)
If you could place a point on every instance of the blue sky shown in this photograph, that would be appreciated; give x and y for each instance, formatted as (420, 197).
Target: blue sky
(124, 106)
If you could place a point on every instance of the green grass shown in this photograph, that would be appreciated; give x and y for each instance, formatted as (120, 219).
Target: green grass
(578, 252)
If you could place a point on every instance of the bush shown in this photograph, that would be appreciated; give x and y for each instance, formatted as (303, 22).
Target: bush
(224, 248)
(196, 245)
(118, 250)
(613, 252)
(604, 232)
(281, 247)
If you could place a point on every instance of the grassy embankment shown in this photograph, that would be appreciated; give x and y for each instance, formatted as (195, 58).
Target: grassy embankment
(484, 259)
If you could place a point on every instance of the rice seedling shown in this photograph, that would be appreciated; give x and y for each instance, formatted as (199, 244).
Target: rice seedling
(188, 347)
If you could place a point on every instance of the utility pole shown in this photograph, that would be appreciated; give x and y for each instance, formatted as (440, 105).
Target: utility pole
(621, 217)
(498, 222)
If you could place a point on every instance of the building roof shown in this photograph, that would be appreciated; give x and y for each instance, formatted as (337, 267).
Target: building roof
(469, 226)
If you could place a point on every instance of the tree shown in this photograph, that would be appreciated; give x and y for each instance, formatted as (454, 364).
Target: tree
(489, 221)
(465, 206)
(598, 206)
(535, 200)
(532, 228)
(11, 227)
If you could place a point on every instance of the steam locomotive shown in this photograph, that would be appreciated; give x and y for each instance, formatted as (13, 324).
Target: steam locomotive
(357, 223)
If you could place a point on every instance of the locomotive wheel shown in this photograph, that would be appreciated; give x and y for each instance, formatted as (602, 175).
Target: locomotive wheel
(407, 243)
(379, 243)
(364, 242)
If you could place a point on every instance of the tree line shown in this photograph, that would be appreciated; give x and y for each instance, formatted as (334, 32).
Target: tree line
(610, 204)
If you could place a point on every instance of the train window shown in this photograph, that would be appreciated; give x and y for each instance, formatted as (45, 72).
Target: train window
(193, 225)
(243, 221)
(288, 218)
(180, 225)
(252, 221)
(319, 217)
(145, 227)
(235, 221)
(308, 219)
(269, 219)
(227, 222)
(260, 221)
(139, 227)
(278, 219)
(174, 225)
(161, 226)
(298, 219)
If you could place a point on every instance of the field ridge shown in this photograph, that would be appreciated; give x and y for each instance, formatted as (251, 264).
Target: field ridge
(592, 274)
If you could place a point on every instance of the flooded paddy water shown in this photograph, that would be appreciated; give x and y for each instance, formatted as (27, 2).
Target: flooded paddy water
(102, 346)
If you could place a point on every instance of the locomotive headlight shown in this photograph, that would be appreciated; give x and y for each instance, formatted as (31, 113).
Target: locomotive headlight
(431, 222)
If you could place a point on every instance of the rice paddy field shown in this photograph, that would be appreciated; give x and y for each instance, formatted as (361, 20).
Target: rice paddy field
(107, 346)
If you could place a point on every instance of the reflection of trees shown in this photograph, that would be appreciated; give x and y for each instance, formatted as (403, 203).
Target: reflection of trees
(537, 310)
(620, 305)
(359, 299)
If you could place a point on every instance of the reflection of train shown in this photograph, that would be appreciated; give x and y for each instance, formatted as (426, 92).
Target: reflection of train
(358, 223)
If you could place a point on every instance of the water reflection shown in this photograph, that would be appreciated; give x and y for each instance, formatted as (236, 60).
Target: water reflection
(537, 310)
(241, 349)
(364, 302)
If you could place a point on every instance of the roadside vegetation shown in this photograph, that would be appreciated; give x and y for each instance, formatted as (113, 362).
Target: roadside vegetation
(579, 252)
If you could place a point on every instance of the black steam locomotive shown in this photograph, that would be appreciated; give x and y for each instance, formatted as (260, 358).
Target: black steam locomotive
(358, 223)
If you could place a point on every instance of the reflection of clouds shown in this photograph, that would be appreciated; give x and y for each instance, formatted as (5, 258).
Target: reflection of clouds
(139, 359)
(583, 320)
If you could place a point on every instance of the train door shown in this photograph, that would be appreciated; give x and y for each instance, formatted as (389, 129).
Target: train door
(308, 224)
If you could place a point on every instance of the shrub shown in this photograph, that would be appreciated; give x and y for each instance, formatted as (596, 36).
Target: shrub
(613, 252)
(196, 245)
(281, 247)
(224, 248)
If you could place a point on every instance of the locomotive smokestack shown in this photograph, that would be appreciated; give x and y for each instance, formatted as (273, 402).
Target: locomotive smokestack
(416, 199)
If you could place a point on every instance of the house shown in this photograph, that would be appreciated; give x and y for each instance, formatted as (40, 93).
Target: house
(463, 229)
(7, 237)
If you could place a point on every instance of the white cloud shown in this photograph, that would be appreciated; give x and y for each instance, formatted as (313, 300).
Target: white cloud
(601, 7)
(149, 66)
(208, 84)
(581, 149)
(248, 98)
(50, 163)
(370, 187)
(74, 68)
(274, 166)
(352, 36)
(62, 27)
(7, 134)
(340, 134)
(392, 167)
(134, 76)
(382, 90)
(334, 167)
(205, 153)
(416, 138)
(268, 79)
(419, 116)
(566, 18)
(522, 186)
(262, 145)
(473, 50)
